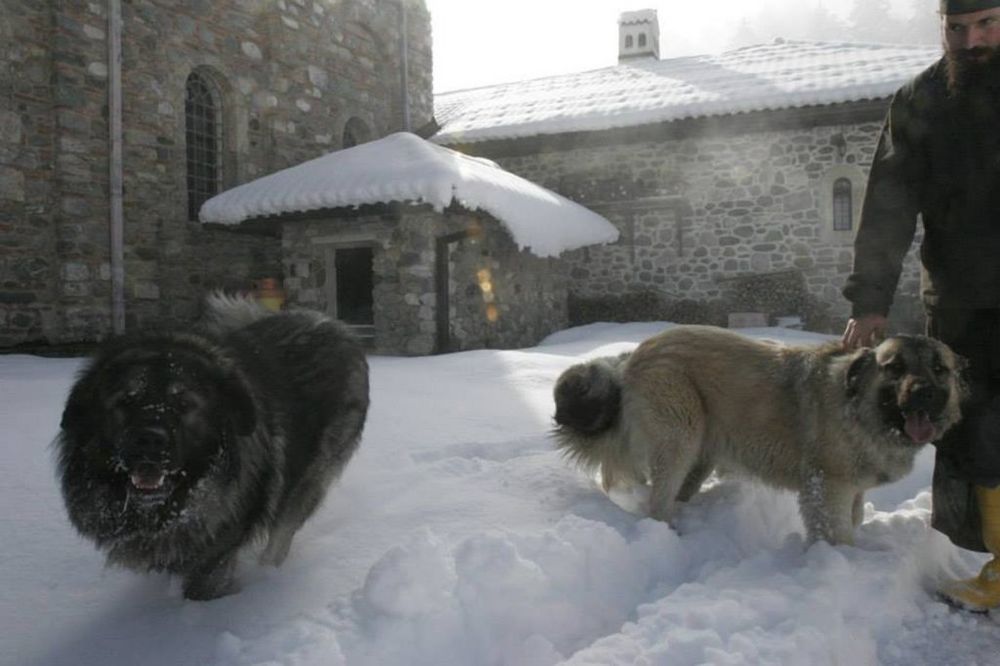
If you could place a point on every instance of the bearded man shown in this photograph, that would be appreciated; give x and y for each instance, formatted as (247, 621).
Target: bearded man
(938, 157)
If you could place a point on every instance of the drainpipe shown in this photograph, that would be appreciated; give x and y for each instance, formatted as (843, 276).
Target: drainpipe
(115, 174)
(404, 47)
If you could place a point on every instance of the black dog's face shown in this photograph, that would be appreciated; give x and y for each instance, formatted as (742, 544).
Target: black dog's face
(160, 429)
(148, 424)
(915, 383)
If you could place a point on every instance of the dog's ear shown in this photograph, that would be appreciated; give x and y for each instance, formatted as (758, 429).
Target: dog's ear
(82, 410)
(239, 403)
(862, 364)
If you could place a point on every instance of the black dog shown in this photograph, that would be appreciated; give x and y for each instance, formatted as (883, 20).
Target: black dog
(179, 448)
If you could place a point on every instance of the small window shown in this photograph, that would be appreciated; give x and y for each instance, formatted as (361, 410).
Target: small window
(356, 132)
(203, 134)
(843, 205)
(642, 40)
(628, 41)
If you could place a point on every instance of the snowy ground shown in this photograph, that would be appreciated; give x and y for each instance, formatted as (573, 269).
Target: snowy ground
(458, 536)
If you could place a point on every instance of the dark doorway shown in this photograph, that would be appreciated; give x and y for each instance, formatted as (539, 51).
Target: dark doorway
(355, 286)
(442, 279)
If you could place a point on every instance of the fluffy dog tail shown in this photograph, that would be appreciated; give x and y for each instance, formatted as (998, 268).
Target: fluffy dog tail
(588, 400)
(588, 396)
(225, 313)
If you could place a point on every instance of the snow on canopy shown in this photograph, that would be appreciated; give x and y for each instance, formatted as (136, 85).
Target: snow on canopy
(779, 75)
(402, 167)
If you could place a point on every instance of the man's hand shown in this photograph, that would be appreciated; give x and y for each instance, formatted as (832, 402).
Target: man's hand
(865, 331)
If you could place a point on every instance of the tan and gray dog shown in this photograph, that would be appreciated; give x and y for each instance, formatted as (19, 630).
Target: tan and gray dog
(823, 422)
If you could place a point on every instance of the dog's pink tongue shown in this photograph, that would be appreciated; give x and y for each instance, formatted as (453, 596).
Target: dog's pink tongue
(919, 427)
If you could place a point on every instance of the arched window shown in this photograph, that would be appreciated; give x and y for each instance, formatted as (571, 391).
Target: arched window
(356, 132)
(203, 134)
(843, 205)
(642, 40)
(628, 41)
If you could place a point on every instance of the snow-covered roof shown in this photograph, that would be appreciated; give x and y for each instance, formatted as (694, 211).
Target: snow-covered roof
(405, 168)
(782, 74)
(638, 16)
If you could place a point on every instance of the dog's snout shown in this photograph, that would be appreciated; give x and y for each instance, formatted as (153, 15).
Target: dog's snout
(925, 398)
(148, 441)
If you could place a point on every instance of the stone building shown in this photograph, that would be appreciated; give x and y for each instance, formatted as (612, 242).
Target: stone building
(735, 180)
(416, 281)
(212, 94)
(420, 249)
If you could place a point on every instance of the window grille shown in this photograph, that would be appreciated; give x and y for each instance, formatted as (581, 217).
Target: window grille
(203, 134)
(843, 205)
(628, 41)
(642, 40)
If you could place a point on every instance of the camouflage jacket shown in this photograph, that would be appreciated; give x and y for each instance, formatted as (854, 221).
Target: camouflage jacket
(938, 157)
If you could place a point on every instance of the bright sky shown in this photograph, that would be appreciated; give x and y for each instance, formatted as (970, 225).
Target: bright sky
(481, 42)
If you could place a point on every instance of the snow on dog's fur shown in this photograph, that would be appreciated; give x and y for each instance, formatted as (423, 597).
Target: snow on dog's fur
(179, 448)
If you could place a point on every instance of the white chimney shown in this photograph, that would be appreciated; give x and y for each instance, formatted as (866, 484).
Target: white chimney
(638, 35)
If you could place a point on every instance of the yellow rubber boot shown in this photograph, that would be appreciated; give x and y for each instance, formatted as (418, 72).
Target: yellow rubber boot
(982, 593)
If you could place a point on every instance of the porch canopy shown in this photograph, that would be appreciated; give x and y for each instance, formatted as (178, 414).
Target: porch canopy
(402, 167)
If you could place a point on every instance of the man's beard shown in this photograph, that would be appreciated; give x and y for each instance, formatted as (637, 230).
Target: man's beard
(970, 70)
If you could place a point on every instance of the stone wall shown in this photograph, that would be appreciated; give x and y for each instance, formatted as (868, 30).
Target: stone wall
(290, 74)
(499, 296)
(701, 215)
(30, 273)
(502, 297)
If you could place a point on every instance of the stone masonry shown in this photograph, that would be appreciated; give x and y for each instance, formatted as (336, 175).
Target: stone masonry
(291, 75)
(700, 215)
(499, 296)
